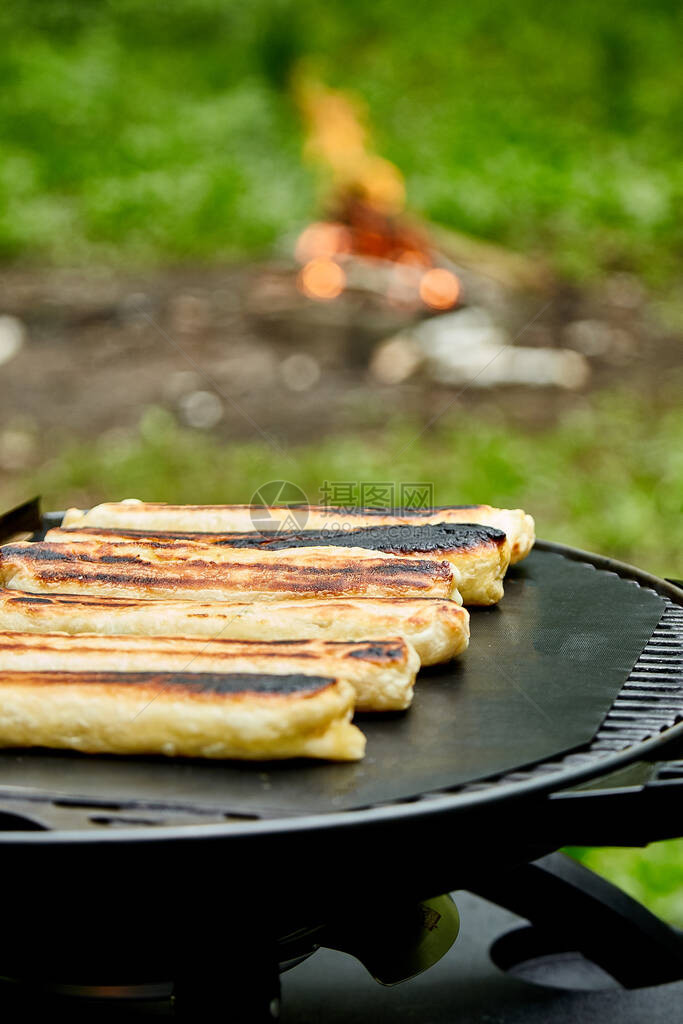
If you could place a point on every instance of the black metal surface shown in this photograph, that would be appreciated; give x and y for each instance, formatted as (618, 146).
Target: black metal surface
(331, 987)
(158, 889)
(87, 798)
(24, 518)
(538, 680)
(463, 987)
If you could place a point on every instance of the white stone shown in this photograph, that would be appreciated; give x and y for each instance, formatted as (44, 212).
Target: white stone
(12, 337)
(466, 348)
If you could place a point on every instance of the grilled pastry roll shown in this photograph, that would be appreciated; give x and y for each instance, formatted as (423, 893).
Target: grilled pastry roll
(250, 716)
(142, 571)
(479, 554)
(132, 514)
(438, 630)
(381, 672)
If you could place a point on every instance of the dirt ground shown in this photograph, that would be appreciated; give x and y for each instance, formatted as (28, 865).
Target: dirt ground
(239, 351)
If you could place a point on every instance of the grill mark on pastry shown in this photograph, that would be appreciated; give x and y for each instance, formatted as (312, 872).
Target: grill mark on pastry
(85, 601)
(16, 597)
(378, 651)
(214, 684)
(399, 538)
(169, 581)
(17, 642)
(198, 573)
(41, 552)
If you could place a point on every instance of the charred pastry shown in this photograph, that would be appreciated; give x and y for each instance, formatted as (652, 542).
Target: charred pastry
(480, 555)
(382, 673)
(206, 573)
(137, 515)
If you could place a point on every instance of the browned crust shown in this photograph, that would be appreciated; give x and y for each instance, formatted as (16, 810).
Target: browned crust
(54, 567)
(379, 652)
(216, 687)
(426, 540)
(517, 524)
(23, 600)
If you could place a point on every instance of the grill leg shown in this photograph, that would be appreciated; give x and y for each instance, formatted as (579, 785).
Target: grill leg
(235, 985)
(573, 910)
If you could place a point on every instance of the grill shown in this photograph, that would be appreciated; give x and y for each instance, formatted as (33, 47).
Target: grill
(567, 730)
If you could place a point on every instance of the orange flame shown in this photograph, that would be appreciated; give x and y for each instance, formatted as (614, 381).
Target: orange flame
(338, 141)
(368, 194)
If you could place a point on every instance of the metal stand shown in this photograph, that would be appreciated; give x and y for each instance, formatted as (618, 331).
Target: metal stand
(237, 983)
(584, 932)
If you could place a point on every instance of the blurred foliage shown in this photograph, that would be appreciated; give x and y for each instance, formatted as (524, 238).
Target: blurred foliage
(608, 477)
(142, 131)
(653, 875)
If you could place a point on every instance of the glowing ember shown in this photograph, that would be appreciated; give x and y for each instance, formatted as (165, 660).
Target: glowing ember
(322, 279)
(439, 288)
(413, 258)
(322, 241)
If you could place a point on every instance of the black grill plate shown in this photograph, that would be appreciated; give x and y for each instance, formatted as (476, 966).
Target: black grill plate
(542, 671)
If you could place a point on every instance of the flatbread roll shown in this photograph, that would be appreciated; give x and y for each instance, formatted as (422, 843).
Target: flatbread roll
(438, 630)
(132, 514)
(250, 716)
(480, 555)
(381, 672)
(142, 571)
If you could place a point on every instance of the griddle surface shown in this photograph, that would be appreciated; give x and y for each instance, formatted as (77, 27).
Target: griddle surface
(541, 673)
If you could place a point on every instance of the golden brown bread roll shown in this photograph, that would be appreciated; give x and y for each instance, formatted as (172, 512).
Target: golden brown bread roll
(438, 630)
(142, 571)
(252, 716)
(382, 672)
(132, 514)
(480, 555)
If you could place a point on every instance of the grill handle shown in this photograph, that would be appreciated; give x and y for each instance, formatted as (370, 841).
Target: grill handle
(635, 806)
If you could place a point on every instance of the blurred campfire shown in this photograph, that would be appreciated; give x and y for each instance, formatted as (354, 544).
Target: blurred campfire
(367, 241)
(368, 244)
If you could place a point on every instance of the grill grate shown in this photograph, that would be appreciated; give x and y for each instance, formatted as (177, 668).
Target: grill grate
(652, 697)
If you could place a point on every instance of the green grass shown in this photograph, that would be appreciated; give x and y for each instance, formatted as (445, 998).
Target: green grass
(145, 132)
